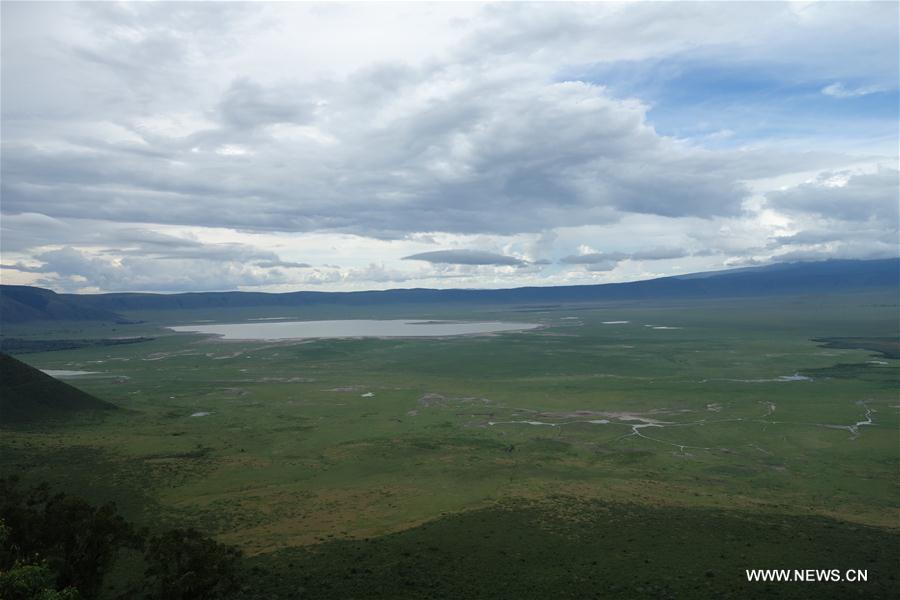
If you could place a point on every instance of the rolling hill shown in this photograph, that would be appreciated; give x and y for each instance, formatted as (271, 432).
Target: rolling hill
(20, 303)
(27, 394)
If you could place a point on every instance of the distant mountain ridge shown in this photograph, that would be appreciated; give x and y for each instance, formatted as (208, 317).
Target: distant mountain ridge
(779, 279)
(19, 303)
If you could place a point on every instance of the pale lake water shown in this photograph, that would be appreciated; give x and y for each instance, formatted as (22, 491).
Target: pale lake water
(297, 330)
(60, 373)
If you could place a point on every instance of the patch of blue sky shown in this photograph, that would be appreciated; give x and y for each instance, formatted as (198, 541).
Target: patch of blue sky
(737, 103)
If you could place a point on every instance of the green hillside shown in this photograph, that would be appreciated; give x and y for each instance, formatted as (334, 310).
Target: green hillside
(21, 303)
(27, 394)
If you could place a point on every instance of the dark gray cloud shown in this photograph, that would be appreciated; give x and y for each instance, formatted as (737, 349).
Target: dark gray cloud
(659, 254)
(596, 262)
(271, 264)
(134, 256)
(599, 262)
(33, 230)
(246, 105)
(189, 250)
(593, 258)
(467, 257)
(828, 231)
(845, 250)
(72, 269)
(845, 196)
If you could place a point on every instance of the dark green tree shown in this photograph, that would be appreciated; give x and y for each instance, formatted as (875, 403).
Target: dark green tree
(183, 564)
(75, 540)
(33, 582)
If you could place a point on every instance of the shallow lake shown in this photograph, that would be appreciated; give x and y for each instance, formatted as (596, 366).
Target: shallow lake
(294, 330)
(65, 373)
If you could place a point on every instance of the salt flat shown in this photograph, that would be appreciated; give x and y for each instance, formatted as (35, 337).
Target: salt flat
(350, 328)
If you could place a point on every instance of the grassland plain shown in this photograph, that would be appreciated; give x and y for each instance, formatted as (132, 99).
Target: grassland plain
(695, 428)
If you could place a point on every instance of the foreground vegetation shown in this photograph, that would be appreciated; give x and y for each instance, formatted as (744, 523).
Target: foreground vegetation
(57, 546)
(656, 457)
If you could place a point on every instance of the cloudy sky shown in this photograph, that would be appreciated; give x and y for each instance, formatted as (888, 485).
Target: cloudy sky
(286, 146)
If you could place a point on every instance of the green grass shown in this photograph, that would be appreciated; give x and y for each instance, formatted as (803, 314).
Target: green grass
(286, 460)
(567, 548)
(888, 347)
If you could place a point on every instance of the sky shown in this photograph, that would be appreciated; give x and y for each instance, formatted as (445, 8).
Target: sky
(170, 147)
